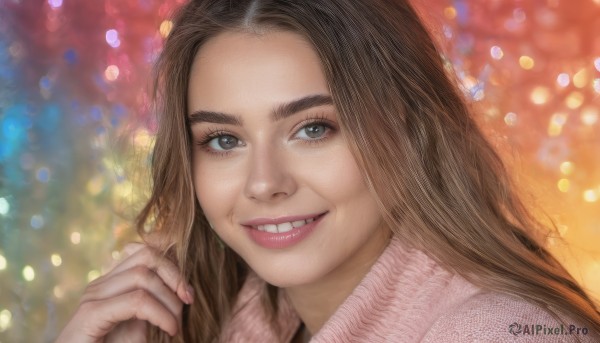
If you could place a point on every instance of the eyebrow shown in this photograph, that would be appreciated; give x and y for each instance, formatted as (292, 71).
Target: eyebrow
(280, 112)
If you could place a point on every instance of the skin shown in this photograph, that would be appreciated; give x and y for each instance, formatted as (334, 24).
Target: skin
(141, 288)
(274, 169)
(265, 168)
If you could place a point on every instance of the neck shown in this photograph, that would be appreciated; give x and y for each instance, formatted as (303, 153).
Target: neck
(315, 303)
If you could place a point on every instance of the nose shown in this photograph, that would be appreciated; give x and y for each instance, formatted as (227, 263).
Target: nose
(269, 178)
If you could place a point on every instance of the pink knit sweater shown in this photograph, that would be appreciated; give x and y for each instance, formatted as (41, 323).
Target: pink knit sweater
(407, 297)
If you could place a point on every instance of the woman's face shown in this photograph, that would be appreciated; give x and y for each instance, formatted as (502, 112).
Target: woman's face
(272, 171)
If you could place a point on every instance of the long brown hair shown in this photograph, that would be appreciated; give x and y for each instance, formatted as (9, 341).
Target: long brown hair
(438, 182)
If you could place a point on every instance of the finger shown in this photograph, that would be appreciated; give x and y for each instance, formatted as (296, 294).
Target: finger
(166, 269)
(132, 248)
(103, 315)
(128, 250)
(138, 277)
(155, 239)
(134, 330)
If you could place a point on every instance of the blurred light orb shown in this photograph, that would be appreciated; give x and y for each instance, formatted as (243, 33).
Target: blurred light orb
(16, 50)
(123, 189)
(55, 3)
(93, 275)
(590, 195)
(510, 119)
(492, 112)
(43, 174)
(596, 85)
(142, 138)
(4, 206)
(574, 100)
(556, 124)
(95, 185)
(70, 56)
(557, 121)
(112, 38)
(564, 185)
(111, 73)
(469, 81)
(450, 12)
(477, 92)
(45, 82)
(37, 221)
(546, 17)
(540, 95)
(589, 116)
(526, 62)
(56, 260)
(563, 79)
(559, 118)
(581, 78)
(5, 319)
(75, 238)
(496, 52)
(96, 113)
(597, 63)
(28, 273)
(567, 167)
(552, 152)
(13, 128)
(519, 15)
(58, 292)
(2, 262)
(165, 28)
(447, 31)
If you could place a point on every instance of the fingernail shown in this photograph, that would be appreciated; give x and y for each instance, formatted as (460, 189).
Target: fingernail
(190, 294)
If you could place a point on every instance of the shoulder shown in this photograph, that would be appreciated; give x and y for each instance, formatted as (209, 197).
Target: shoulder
(497, 317)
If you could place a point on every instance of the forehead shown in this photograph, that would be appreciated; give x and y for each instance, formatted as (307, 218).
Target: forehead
(237, 70)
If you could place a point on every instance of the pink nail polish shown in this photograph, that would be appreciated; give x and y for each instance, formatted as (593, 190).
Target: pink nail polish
(189, 294)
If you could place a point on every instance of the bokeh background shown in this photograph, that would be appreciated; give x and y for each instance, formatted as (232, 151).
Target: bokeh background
(76, 129)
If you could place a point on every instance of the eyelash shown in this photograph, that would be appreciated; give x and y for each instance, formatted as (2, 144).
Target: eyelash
(308, 121)
(212, 134)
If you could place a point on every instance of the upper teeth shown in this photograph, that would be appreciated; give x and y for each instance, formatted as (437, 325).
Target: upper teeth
(283, 227)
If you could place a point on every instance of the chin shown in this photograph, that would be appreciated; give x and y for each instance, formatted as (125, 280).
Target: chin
(286, 275)
(285, 281)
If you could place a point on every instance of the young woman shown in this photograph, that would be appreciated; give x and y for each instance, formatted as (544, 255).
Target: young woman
(317, 176)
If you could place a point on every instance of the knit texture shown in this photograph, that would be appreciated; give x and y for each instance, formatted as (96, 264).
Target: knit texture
(406, 297)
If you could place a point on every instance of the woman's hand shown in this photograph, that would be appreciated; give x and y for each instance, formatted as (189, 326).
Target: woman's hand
(143, 288)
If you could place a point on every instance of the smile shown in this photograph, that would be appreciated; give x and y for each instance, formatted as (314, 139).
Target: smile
(283, 227)
(282, 232)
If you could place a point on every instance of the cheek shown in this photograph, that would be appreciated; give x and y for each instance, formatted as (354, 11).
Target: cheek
(337, 178)
(342, 185)
(216, 192)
